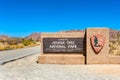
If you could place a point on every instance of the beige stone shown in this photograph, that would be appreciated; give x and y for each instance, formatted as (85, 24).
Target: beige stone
(114, 59)
(88, 56)
(61, 59)
(103, 56)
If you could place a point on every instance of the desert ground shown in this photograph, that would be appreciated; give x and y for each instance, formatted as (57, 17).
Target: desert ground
(27, 69)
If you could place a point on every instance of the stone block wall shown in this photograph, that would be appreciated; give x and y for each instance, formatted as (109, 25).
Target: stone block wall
(61, 58)
(103, 56)
(87, 57)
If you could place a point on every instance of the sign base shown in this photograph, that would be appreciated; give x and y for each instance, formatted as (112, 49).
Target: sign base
(61, 59)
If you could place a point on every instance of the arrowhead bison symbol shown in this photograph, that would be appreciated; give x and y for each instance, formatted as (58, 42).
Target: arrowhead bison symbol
(97, 42)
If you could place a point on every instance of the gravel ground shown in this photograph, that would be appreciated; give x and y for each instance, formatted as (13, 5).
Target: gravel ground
(28, 69)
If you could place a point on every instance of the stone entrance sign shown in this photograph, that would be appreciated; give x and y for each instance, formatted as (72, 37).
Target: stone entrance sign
(62, 48)
(64, 45)
(89, 47)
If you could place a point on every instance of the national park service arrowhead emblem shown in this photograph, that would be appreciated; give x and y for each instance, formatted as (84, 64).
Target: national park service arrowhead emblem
(97, 42)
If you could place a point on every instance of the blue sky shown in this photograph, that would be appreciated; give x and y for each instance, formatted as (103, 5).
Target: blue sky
(22, 17)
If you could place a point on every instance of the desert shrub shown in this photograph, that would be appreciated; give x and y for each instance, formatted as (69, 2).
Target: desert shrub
(16, 46)
(7, 47)
(13, 41)
(113, 42)
(1, 48)
(32, 45)
(112, 47)
(20, 46)
(118, 52)
(27, 42)
(16, 43)
(13, 47)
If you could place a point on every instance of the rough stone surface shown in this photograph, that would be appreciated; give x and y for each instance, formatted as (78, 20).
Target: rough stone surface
(61, 59)
(113, 59)
(103, 56)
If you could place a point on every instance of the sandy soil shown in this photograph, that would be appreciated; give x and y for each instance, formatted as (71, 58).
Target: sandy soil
(27, 69)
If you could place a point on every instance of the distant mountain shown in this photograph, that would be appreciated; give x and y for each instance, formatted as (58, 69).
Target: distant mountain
(4, 37)
(34, 36)
(112, 33)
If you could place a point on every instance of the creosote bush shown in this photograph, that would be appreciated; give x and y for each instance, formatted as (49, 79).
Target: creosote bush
(16, 43)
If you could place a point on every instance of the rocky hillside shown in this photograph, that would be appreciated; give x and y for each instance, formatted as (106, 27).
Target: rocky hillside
(10, 43)
(4, 37)
(34, 36)
(114, 42)
(112, 34)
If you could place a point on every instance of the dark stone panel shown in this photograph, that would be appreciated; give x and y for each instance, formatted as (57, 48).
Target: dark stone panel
(63, 45)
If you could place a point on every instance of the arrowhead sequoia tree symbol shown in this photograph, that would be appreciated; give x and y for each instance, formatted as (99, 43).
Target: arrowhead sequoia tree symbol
(97, 42)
